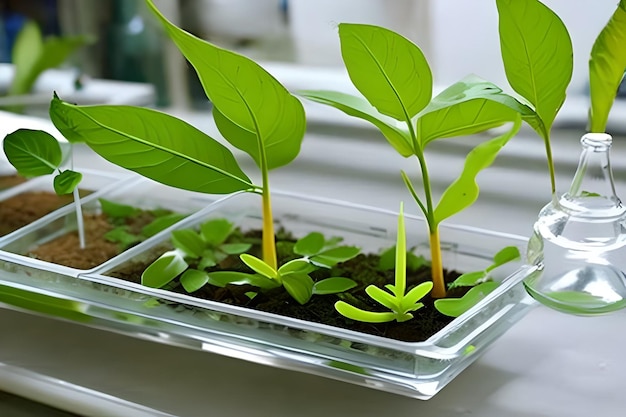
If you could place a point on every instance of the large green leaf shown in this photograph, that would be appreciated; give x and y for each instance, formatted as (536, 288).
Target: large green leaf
(32, 152)
(464, 190)
(454, 307)
(153, 144)
(606, 68)
(537, 54)
(467, 107)
(388, 69)
(32, 55)
(358, 107)
(246, 95)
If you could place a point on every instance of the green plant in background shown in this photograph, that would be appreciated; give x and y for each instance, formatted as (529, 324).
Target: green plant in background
(397, 299)
(606, 68)
(538, 61)
(32, 55)
(395, 79)
(35, 153)
(252, 110)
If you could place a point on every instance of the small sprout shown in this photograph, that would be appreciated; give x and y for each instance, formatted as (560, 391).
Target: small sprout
(470, 279)
(324, 253)
(206, 247)
(396, 299)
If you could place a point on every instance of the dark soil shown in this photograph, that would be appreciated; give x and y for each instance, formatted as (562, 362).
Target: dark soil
(25, 208)
(320, 309)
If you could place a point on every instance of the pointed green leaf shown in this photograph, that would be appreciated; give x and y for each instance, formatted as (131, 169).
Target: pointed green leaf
(192, 280)
(208, 260)
(333, 285)
(216, 231)
(357, 314)
(189, 242)
(606, 68)
(259, 266)
(537, 54)
(469, 279)
(161, 223)
(505, 255)
(388, 69)
(397, 136)
(32, 152)
(122, 237)
(299, 286)
(163, 270)
(246, 95)
(153, 144)
(469, 106)
(117, 210)
(382, 297)
(295, 266)
(310, 244)
(223, 278)
(464, 190)
(66, 182)
(454, 307)
(410, 300)
(331, 257)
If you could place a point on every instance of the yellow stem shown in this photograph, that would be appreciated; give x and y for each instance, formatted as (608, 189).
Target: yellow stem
(439, 285)
(269, 239)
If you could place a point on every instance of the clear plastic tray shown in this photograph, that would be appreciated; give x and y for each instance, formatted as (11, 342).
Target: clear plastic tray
(418, 369)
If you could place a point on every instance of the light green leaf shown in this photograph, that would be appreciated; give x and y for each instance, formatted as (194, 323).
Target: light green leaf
(454, 307)
(469, 106)
(295, 266)
(333, 285)
(192, 280)
(299, 286)
(153, 144)
(246, 95)
(235, 248)
(331, 257)
(223, 278)
(505, 255)
(606, 68)
(189, 242)
(464, 190)
(469, 279)
(32, 152)
(388, 69)
(42, 303)
(117, 210)
(66, 182)
(383, 297)
(353, 106)
(310, 244)
(537, 54)
(216, 231)
(357, 314)
(163, 270)
(122, 237)
(208, 260)
(258, 266)
(161, 223)
(414, 295)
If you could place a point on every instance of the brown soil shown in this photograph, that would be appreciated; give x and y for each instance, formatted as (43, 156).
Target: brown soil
(65, 249)
(8, 181)
(24, 208)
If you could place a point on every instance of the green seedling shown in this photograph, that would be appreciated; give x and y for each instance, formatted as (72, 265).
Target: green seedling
(538, 61)
(606, 68)
(478, 280)
(395, 79)
(118, 214)
(32, 54)
(252, 110)
(400, 302)
(207, 247)
(35, 153)
(294, 275)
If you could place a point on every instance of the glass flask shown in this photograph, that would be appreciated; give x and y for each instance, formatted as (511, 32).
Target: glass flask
(579, 240)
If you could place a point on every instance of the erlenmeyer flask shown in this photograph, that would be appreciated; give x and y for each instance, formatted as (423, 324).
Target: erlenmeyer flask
(579, 240)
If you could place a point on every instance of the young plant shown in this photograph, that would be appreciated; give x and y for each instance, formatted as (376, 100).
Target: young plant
(479, 283)
(400, 302)
(538, 61)
(32, 54)
(35, 153)
(252, 110)
(394, 77)
(606, 68)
